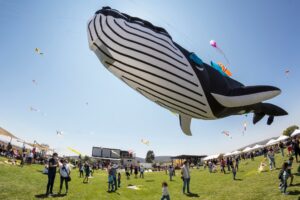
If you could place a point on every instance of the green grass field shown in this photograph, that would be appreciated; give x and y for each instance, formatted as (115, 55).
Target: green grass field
(29, 183)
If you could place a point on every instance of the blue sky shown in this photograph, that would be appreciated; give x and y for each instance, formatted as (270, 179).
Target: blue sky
(260, 38)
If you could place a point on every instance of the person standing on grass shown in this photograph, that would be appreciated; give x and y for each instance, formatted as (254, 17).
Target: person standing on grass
(135, 171)
(271, 158)
(222, 164)
(165, 192)
(65, 172)
(233, 169)
(171, 172)
(52, 164)
(87, 170)
(119, 179)
(81, 169)
(114, 174)
(296, 148)
(185, 173)
(281, 146)
(228, 163)
(289, 169)
(237, 160)
(142, 171)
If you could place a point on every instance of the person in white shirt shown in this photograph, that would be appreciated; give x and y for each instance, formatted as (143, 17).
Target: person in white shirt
(185, 174)
(165, 191)
(64, 171)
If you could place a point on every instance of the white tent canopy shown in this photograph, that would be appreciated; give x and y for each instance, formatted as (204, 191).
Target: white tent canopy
(236, 152)
(271, 142)
(212, 157)
(295, 133)
(247, 149)
(282, 137)
(258, 146)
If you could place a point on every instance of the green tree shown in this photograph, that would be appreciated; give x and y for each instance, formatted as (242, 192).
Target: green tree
(150, 156)
(86, 158)
(290, 130)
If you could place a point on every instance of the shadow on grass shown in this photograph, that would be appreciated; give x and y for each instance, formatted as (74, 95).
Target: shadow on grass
(150, 180)
(238, 179)
(43, 196)
(297, 184)
(295, 192)
(192, 195)
(114, 191)
(297, 174)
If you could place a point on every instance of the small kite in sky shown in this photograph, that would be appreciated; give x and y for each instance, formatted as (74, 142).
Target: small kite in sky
(86, 103)
(38, 51)
(213, 43)
(59, 133)
(146, 142)
(227, 134)
(287, 72)
(34, 81)
(32, 109)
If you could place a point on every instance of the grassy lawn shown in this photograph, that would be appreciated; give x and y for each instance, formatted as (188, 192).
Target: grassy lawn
(29, 183)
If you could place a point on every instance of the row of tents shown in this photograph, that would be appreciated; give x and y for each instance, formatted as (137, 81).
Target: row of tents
(6, 136)
(254, 148)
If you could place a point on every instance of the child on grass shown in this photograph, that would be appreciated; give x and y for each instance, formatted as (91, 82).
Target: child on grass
(165, 191)
(283, 176)
(87, 170)
(110, 182)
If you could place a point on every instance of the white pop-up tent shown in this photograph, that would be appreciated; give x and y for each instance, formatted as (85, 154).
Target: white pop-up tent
(282, 138)
(211, 157)
(236, 152)
(257, 147)
(295, 133)
(271, 142)
(247, 149)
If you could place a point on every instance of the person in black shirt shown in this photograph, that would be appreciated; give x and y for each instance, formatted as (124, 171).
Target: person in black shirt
(53, 163)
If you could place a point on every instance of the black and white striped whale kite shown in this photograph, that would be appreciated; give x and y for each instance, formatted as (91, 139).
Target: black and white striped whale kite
(147, 59)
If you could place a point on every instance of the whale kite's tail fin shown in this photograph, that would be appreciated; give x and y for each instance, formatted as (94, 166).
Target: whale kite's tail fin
(244, 96)
(262, 109)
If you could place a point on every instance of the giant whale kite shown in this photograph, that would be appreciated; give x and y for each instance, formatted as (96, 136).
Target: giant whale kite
(146, 58)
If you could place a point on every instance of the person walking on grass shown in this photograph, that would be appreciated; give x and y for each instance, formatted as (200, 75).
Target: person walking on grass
(65, 172)
(283, 176)
(165, 192)
(110, 180)
(87, 170)
(185, 175)
(52, 165)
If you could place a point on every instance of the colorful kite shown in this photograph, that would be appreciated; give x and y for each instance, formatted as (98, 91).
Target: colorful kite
(74, 151)
(166, 73)
(213, 43)
(59, 133)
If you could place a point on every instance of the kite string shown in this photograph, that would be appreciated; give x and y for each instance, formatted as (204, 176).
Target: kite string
(224, 55)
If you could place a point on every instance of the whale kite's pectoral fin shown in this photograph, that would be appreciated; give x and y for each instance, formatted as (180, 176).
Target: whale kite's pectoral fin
(257, 117)
(185, 123)
(244, 96)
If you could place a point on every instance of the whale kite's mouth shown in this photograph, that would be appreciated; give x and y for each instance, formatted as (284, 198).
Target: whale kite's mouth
(117, 14)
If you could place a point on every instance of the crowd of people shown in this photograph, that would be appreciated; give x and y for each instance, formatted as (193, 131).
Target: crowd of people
(226, 165)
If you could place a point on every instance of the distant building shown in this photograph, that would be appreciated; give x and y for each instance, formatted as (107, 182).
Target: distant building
(114, 155)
